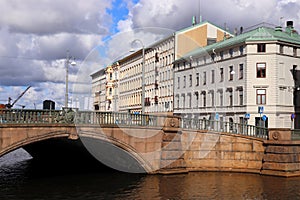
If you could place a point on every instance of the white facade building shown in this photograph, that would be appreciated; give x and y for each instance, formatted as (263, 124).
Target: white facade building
(229, 80)
(99, 90)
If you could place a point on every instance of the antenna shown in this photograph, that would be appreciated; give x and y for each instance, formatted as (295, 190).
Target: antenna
(235, 32)
(281, 21)
(200, 17)
(194, 20)
(225, 31)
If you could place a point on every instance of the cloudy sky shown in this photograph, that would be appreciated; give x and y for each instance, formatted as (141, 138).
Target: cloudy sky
(36, 34)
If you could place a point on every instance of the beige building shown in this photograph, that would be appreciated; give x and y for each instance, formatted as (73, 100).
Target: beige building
(159, 58)
(245, 79)
(105, 88)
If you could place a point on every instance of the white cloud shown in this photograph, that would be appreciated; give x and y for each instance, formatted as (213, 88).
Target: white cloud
(177, 14)
(35, 35)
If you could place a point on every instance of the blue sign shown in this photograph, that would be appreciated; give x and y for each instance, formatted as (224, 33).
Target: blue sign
(260, 109)
(264, 118)
(217, 116)
(293, 116)
(247, 116)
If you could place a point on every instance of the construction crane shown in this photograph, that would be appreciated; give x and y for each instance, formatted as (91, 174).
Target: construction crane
(9, 104)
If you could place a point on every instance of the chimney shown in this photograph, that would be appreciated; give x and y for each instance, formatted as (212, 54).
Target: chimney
(278, 28)
(289, 26)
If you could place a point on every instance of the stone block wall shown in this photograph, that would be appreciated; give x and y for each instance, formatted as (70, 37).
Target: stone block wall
(209, 151)
(282, 156)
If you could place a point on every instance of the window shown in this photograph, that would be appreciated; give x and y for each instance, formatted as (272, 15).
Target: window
(204, 99)
(222, 55)
(178, 82)
(261, 70)
(189, 100)
(204, 78)
(211, 41)
(230, 98)
(212, 98)
(230, 124)
(295, 52)
(221, 74)
(191, 80)
(241, 71)
(281, 49)
(183, 100)
(261, 47)
(110, 91)
(241, 97)
(197, 99)
(156, 57)
(221, 98)
(177, 100)
(110, 76)
(212, 76)
(241, 50)
(231, 73)
(197, 79)
(184, 81)
(212, 56)
(231, 52)
(260, 96)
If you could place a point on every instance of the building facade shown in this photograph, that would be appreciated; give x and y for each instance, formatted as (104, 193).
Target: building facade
(158, 79)
(245, 79)
(99, 90)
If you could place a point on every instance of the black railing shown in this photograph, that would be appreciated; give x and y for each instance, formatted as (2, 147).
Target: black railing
(228, 127)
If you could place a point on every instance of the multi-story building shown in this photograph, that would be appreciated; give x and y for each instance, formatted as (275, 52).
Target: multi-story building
(105, 88)
(99, 89)
(109, 88)
(159, 58)
(241, 79)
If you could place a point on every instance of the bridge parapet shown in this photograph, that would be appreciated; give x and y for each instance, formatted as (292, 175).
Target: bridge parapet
(73, 116)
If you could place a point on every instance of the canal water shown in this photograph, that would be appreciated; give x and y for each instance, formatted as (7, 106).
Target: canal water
(22, 178)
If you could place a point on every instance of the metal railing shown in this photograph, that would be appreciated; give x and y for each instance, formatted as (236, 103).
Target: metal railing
(69, 116)
(73, 116)
(20, 116)
(228, 127)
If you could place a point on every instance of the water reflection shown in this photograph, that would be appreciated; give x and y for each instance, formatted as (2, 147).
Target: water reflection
(24, 180)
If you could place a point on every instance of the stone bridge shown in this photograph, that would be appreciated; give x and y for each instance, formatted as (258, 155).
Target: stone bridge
(151, 144)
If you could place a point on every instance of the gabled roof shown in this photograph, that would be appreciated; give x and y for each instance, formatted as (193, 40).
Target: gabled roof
(258, 34)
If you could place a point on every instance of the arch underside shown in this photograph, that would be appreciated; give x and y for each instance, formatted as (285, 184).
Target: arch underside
(55, 149)
(115, 153)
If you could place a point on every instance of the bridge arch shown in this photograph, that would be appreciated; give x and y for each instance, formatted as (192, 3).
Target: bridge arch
(143, 145)
(115, 153)
(17, 136)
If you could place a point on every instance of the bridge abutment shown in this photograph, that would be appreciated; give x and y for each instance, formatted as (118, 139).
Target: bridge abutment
(282, 155)
(172, 152)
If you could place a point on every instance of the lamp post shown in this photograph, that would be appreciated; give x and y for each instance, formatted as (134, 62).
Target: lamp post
(67, 62)
(143, 74)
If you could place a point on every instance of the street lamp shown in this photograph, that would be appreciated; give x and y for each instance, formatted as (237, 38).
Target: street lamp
(73, 63)
(143, 73)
